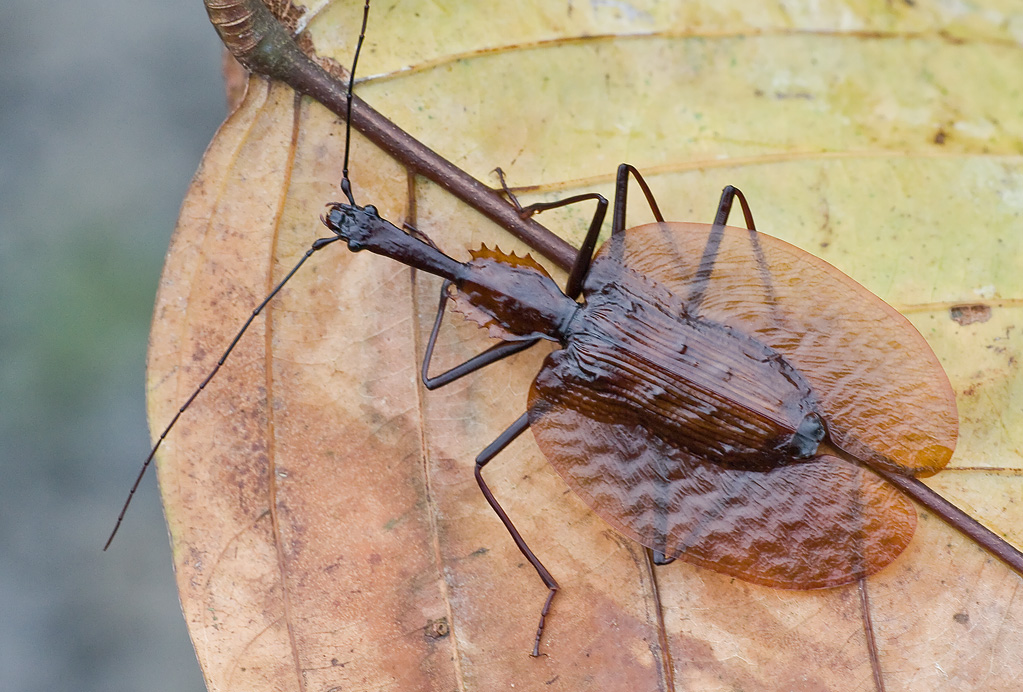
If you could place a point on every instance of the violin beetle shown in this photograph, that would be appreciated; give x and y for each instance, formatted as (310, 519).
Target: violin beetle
(712, 393)
(720, 431)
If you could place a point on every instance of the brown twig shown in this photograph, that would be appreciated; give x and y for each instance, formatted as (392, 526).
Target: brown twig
(260, 43)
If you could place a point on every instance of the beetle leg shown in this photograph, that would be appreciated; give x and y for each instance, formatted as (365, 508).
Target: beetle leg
(728, 195)
(622, 196)
(660, 559)
(701, 278)
(574, 285)
(507, 190)
(725, 206)
(491, 355)
(502, 441)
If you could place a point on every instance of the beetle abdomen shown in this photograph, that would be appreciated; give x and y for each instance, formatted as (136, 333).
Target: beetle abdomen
(634, 356)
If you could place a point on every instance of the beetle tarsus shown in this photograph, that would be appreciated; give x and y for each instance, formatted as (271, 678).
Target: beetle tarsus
(660, 559)
(543, 619)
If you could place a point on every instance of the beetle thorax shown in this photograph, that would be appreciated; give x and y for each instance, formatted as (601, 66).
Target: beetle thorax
(519, 298)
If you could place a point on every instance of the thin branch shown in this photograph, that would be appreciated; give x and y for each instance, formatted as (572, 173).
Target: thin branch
(260, 43)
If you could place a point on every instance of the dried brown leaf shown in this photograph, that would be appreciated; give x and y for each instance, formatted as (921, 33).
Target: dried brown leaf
(327, 530)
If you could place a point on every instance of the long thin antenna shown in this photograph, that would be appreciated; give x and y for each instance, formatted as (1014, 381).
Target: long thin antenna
(152, 453)
(346, 187)
(346, 184)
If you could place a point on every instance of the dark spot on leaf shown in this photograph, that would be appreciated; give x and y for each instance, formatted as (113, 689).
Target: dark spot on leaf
(951, 38)
(437, 629)
(968, 314)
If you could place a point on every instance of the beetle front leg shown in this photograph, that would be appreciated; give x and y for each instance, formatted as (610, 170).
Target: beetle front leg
(491, 355)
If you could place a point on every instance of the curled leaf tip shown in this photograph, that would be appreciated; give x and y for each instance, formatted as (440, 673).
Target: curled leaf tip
(258, 36)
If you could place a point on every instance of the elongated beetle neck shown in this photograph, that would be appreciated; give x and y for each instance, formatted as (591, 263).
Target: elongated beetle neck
(521, 299)
(363, 229)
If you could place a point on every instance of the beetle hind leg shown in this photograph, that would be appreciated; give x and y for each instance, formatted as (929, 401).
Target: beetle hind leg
(728, 196)
(502, 441)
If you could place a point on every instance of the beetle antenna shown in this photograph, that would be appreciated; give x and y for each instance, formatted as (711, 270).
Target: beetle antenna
(346, 184)
(346, 187)
(202, 385)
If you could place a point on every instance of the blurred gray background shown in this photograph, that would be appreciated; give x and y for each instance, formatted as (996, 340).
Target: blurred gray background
(105, 109)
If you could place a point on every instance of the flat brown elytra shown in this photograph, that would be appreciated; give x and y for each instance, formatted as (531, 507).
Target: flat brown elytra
(558, 406)
(720, 430)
